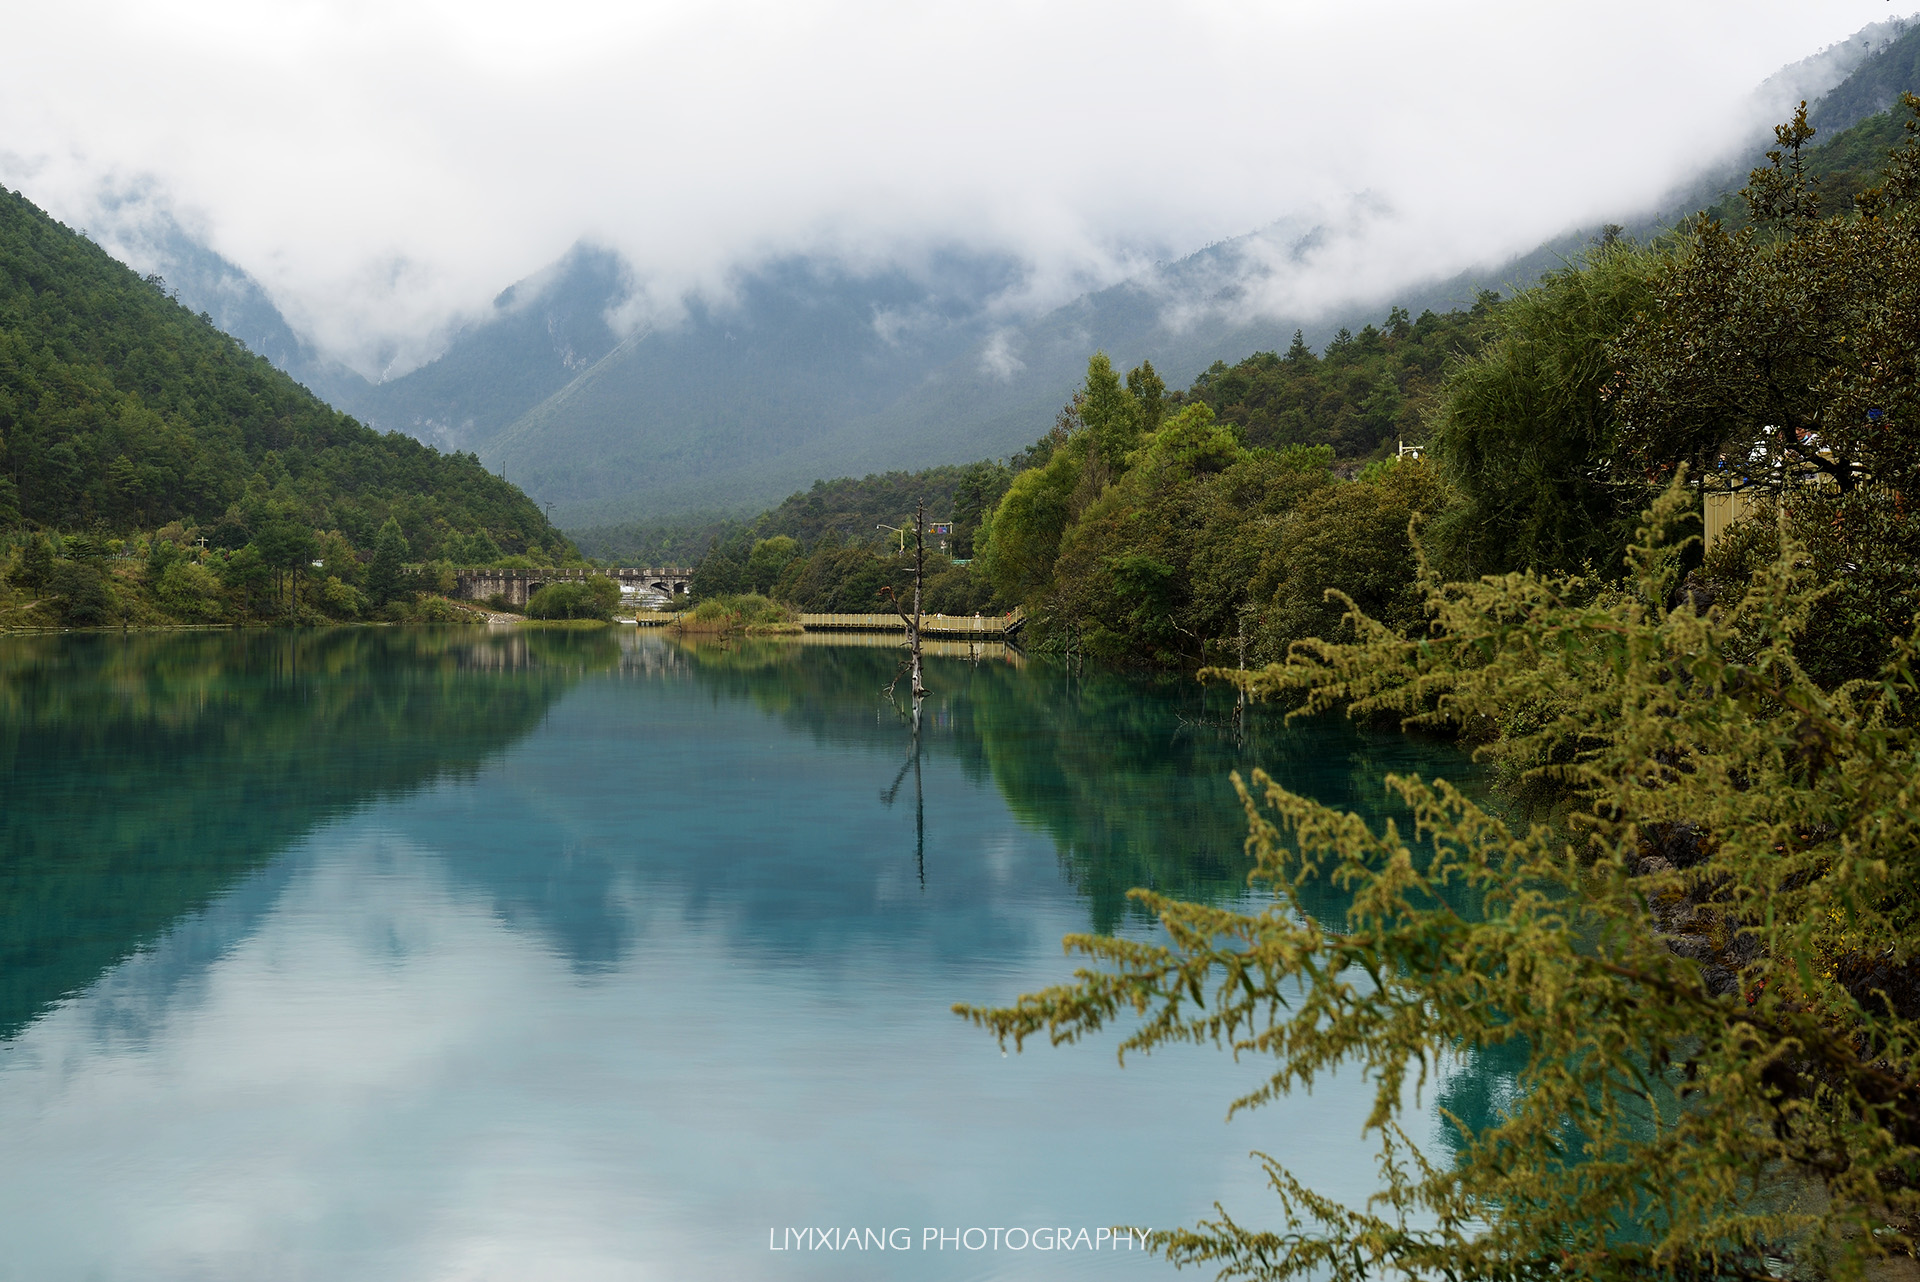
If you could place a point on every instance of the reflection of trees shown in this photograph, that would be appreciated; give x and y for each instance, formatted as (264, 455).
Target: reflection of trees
(1132, 780)
(1485, 1083)
(147, 773)
(1478, 1090)
(1129, 777)
(919, 789)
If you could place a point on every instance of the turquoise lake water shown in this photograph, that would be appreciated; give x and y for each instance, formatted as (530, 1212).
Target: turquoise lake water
(434, 954)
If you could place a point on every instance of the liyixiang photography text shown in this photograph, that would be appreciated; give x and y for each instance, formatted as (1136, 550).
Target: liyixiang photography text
(992, 1238)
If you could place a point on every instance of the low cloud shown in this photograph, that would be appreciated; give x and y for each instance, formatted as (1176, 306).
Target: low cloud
(997, 359)
(384, 169)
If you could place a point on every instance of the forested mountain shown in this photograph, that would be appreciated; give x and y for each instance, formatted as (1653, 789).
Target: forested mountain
(849, 509)
(1891, 68)
(1842, 165)
(540, 334)
(153, 470)
(793, 379)
(120, 410)
(808, 369)
(137, 225)
(1369, 391)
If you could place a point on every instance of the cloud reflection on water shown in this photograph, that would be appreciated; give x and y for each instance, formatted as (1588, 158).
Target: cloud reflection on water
(651, 980)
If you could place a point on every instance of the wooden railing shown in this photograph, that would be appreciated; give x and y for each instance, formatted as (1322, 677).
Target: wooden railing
(984, 627)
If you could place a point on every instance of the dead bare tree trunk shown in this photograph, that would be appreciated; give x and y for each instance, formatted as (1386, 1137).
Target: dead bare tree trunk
(913, 621)
(919, 573)
(1240, 705)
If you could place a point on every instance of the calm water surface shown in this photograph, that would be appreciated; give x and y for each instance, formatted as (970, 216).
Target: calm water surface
(429, 954)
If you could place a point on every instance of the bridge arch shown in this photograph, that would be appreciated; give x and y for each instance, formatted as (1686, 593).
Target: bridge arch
(515, 585)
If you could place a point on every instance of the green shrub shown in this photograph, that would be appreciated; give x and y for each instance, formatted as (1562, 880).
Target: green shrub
(749, 612)
(188, 590)
(427, 608)
(590, 598)
(85, 599)
(34, 570)
(343, 599)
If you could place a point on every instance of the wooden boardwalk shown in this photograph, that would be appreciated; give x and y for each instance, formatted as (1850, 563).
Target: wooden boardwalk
(953, 627)
(960, 627)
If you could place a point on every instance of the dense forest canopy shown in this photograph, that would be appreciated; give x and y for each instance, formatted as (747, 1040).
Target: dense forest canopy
(125, 420)
(1365, 391)
(850, 509)
(120, 411)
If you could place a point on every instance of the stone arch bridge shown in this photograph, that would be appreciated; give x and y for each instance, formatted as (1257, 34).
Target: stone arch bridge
(479, 583)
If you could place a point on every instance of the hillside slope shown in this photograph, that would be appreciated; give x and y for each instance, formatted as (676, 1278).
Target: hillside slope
(607, 454)
(540, 334)
(1889, 70)
(119, 409)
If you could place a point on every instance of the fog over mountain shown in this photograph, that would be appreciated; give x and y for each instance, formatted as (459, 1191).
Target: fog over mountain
(853, 239)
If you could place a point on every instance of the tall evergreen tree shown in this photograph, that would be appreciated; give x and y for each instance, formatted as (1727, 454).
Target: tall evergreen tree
(36, 564)
(384, 575)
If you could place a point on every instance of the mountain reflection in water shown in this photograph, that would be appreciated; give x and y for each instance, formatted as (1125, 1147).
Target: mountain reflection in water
(399, 953)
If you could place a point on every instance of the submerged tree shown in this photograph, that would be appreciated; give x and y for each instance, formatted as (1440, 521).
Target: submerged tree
(915, 685)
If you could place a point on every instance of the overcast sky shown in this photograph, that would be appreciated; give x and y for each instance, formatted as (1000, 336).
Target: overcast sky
(386, 166)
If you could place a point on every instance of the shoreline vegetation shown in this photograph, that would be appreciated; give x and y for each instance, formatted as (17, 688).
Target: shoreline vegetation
(171, 578)
(738, 615)
(1701, 979)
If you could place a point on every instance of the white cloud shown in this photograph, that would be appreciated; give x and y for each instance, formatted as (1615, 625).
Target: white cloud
(997, 358)
(385, 167)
